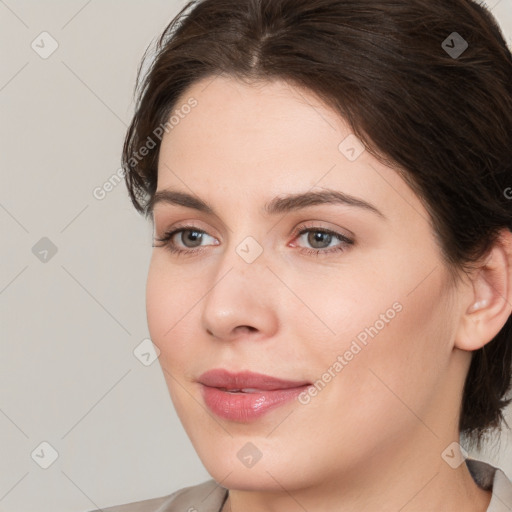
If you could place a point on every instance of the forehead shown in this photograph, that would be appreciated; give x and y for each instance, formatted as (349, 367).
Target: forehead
(232, 112)
(250, 129)
(265, 139)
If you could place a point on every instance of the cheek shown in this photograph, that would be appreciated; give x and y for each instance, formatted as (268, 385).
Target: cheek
(158, 305)
(169, 310)
(394, 350)
(168, 302)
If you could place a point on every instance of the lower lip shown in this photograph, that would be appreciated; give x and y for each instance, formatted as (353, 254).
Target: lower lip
(245, 407)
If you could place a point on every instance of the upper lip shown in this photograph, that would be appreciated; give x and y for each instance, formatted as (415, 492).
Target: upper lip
(221, 378)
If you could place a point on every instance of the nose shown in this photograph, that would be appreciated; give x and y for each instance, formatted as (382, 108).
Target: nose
(242, 299)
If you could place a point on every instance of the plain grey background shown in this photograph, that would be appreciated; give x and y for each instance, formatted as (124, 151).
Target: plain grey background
(76, 395)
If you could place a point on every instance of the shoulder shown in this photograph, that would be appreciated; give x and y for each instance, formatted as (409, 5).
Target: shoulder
(492, 478)
(204, 497)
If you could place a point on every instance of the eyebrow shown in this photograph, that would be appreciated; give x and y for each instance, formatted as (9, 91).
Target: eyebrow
(278, 205)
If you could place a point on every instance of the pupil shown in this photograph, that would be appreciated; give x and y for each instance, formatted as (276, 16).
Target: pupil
(194, 235)
(317, 237)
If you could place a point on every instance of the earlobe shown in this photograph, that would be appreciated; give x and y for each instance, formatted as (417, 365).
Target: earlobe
(490, 297)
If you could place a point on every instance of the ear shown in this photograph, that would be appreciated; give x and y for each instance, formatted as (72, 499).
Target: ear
(488, 303)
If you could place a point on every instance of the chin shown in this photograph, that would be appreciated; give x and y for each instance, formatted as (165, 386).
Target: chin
(246, 479)
(242, 462)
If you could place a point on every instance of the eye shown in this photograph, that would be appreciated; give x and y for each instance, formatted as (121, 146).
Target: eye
(188, 235)
(191, 237)
(320, 239)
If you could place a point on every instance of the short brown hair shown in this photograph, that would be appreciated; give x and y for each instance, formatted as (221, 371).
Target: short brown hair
(425, 84)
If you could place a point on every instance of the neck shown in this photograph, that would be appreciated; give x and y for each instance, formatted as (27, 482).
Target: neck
(406, 474)
(410, 477)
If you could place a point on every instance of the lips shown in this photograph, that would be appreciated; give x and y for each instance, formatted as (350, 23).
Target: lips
(247, 382)
(246, 396)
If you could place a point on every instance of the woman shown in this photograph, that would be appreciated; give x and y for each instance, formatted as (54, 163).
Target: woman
(331, 282)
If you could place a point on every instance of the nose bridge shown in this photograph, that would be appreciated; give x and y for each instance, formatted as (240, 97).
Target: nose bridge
(244, 254)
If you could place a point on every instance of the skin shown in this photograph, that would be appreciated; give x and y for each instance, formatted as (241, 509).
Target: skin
(372, 438)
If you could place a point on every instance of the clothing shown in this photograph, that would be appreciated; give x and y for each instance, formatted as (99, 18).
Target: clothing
(210, 496)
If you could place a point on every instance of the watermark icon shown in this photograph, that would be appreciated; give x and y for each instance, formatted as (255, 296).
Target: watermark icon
(351, 147)
(249, 249)
(454, 45)
(146, 352)
(355, 348)
(508, 192)
(454, 455)
(44, 45)
(44, 250)
(44, 455)
(249, 455)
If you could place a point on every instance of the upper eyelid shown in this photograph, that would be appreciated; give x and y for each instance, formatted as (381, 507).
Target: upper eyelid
(314, 226)
(299, 211)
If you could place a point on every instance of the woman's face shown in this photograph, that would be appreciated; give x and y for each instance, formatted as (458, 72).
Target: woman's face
(365, 310)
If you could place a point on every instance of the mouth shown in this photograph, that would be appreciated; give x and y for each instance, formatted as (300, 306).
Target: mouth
(246, 382)
(246, 396)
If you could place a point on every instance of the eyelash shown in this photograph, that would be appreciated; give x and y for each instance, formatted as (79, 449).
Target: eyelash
(168, 245)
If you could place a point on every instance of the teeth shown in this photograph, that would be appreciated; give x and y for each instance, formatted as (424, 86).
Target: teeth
(244, 390)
